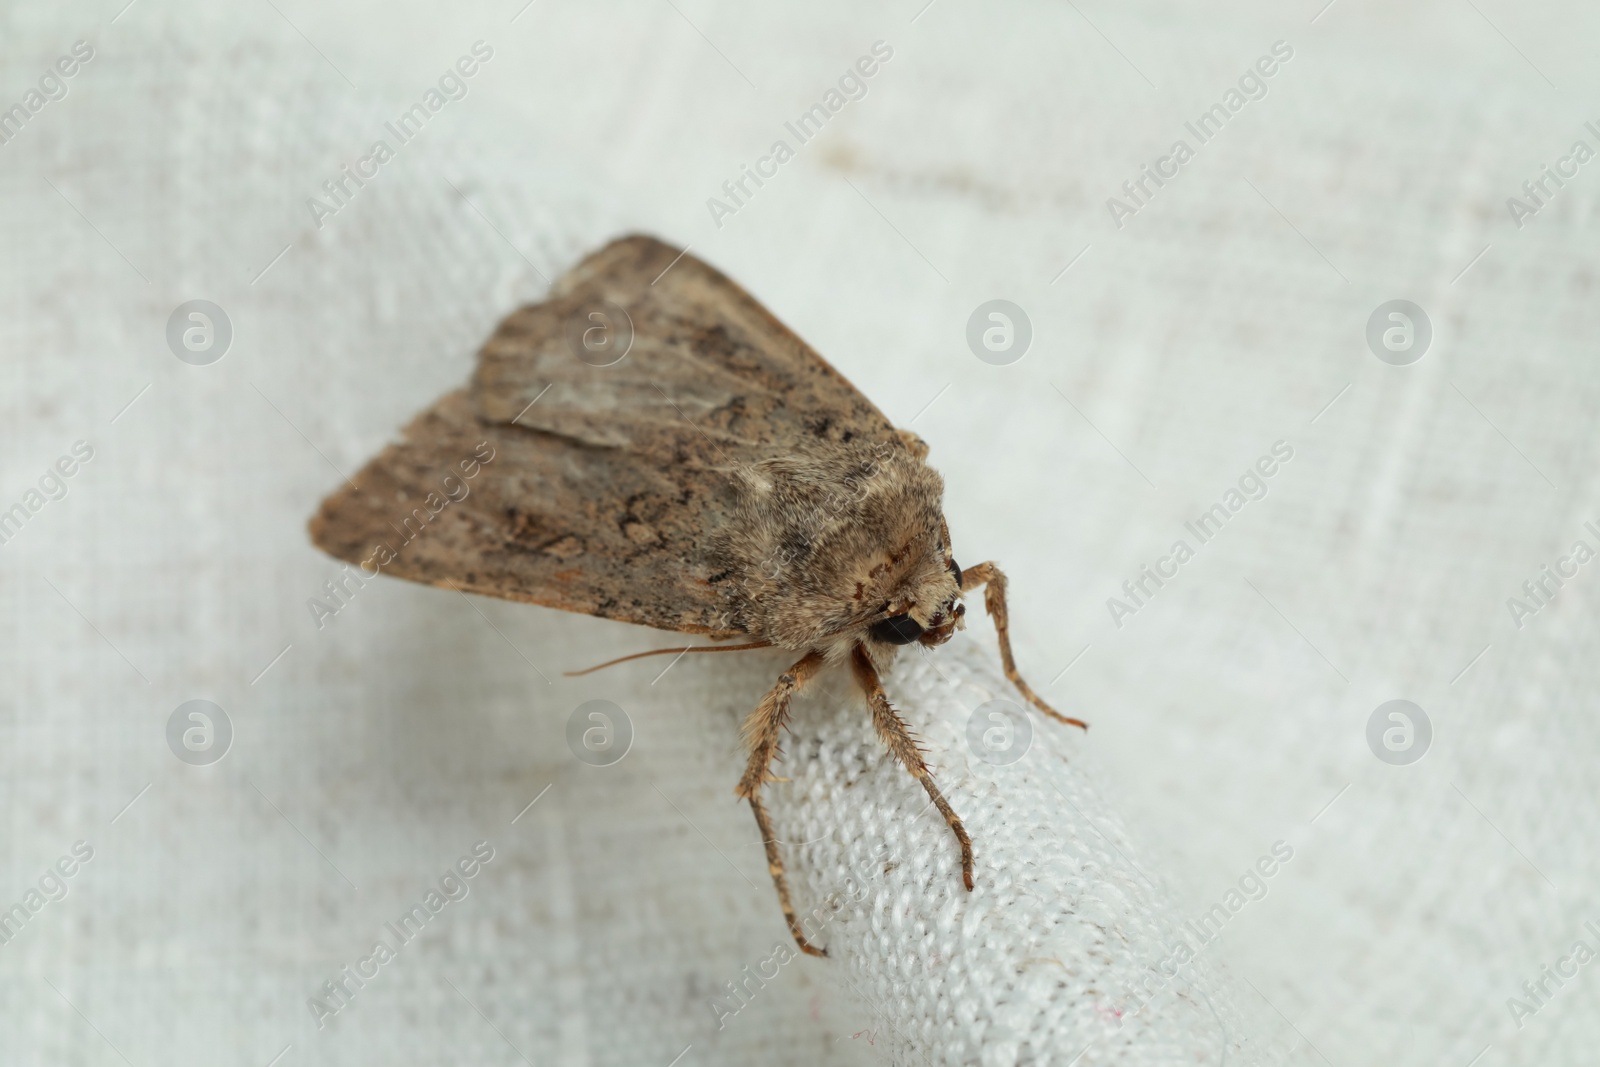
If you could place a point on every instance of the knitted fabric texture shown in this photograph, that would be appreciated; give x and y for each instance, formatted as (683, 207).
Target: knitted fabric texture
(1054, 957)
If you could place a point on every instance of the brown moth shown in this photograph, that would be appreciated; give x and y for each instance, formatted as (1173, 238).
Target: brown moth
(666, 452)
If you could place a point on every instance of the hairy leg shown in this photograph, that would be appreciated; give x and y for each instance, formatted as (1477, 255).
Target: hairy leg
(994, 600)
(762, 731)
(903, 746)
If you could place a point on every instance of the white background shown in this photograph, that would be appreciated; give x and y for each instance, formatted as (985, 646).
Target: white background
(1225, 316)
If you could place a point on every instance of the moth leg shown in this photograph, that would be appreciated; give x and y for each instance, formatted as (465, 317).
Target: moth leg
(775, 868)
(994, 601)
(892, 729)
(762, 731)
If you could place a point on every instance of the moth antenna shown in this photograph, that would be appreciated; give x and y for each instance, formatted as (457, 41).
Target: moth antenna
(665, 652)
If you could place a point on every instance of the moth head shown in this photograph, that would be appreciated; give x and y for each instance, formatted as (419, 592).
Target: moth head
(841, 545)
(935, 613)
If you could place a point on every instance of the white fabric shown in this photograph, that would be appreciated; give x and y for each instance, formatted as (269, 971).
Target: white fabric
(1228, 713)
(1065, 948)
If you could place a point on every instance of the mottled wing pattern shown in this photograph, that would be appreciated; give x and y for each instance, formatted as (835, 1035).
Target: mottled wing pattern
(710, 374)
(545, 520)
(605, 482)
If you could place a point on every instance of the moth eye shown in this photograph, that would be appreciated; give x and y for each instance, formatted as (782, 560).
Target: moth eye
(896, 630)
(955, 570)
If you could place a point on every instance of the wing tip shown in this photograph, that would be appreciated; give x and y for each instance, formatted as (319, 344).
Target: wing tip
(639, 241)
(322, 525)
(642, 249)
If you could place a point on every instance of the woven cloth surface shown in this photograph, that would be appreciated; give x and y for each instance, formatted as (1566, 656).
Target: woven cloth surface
(1220, 325)
(1066, 949)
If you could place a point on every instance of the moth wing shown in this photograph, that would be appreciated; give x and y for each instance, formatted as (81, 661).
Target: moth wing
(491, 509)
(701, 370)
(603, 480)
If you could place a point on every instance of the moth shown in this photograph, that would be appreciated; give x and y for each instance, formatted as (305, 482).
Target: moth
(665, 452)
